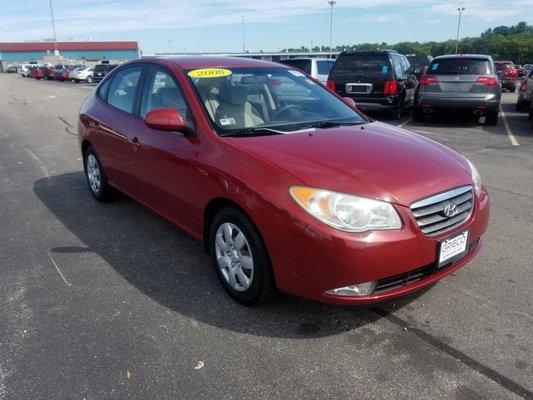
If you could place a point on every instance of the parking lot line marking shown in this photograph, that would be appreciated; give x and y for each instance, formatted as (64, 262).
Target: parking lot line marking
(405, 122)
(424, 132)
(458, 355)
(57, 268)
(513, 140)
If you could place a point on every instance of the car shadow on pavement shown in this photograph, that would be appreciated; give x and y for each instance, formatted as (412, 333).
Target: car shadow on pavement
(172, 268)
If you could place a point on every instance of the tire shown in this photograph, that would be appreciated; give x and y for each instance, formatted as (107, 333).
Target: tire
(77, 80)
(89, 79)
(96, 177)
(248, 263)
(418, 115)
(491, 118)
(520, 105)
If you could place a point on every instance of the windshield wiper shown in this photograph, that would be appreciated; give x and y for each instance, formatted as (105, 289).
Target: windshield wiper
(332, 124)
(252, 132)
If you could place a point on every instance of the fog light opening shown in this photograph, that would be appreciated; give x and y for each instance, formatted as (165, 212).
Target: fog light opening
(361, 289)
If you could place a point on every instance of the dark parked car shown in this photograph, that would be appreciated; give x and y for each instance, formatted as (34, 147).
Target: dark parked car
(507, 74)
(419, 63)
(101, 70)
(525, 92)
(466, 83)
(380, 80)
(11, 70)
(287, 186)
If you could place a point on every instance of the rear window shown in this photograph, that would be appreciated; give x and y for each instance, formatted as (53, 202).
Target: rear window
(418, 60)
(503, 66)
(366, 65)
(302, 65)
(323, 67)
(459, 66)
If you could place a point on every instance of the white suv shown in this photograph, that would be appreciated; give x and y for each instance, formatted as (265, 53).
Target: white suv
(82, 74)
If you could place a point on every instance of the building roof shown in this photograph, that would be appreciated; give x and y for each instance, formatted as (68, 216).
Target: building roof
(64, 46)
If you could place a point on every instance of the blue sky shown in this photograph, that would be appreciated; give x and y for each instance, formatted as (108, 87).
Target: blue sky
(209, 25)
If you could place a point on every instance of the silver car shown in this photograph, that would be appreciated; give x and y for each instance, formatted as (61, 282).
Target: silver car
(525, 92)
(459, 83)
(318, 68)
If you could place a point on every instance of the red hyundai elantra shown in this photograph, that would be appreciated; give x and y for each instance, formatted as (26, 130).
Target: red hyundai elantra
(287, 184)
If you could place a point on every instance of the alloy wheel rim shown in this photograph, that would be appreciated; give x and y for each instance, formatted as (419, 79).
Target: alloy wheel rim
(234, 256)
(93, 174)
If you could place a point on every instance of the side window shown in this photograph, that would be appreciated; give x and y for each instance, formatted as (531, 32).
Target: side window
(405, 63)
(104, 89)
(160, 91)
(396, 65)
(123, 87)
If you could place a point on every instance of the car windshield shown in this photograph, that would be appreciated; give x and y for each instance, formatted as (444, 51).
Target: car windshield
(459, 66)
(267, 101)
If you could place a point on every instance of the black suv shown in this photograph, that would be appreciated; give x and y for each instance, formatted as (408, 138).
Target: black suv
(379, 80)
(101, 70)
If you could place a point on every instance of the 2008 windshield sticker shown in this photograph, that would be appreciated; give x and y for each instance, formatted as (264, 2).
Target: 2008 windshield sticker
(209, 73)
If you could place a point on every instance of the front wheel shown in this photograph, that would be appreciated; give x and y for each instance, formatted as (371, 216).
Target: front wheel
(89, 79)
(240, 257)
(96, 177)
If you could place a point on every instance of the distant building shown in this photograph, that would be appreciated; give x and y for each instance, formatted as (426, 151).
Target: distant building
(24, 52)
(267, 56)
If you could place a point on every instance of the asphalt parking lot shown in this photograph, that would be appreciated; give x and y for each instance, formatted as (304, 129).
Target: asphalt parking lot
(109, 301)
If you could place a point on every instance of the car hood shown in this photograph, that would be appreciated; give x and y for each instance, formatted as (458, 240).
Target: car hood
(373, 160)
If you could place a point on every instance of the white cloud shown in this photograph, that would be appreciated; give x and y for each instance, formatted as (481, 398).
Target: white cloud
(29, 19)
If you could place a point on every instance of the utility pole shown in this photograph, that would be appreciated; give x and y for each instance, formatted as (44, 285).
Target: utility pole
(460, 9)
(56, 52)
(243, 47)
(331, 4)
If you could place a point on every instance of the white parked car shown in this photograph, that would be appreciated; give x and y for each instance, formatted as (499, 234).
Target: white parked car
(24, 69)
(82, 74)
(318, 68)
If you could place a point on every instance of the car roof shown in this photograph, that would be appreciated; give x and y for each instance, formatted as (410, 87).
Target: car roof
(352, 52)
(188, 62)
(452, 56)
(306, 59)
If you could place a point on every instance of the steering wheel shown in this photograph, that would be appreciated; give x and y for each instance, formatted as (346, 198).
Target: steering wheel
(284, 110)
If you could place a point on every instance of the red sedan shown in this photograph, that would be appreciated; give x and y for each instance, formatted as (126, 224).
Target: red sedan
(287, 184)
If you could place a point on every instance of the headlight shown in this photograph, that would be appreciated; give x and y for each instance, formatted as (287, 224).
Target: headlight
(346, 212)
(475, 177)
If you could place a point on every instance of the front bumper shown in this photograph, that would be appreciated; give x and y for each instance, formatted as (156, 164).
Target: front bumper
(322, 258)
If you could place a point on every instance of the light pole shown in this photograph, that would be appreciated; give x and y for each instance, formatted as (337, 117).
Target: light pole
(56, 52)
(460, 9)
(242, 23)
(331, 4)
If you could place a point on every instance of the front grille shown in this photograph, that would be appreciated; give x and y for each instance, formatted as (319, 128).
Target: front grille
(431, 216)
(397, 281)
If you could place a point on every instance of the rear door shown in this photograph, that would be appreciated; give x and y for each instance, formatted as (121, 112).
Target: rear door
(361, 75)
(457, 77)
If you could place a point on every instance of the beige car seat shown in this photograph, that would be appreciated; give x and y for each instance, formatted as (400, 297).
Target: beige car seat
(235, 111)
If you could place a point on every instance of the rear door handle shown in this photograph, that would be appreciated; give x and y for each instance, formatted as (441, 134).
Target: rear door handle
(135, 144)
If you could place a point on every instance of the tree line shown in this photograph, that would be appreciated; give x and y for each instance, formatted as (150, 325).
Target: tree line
(502, 43)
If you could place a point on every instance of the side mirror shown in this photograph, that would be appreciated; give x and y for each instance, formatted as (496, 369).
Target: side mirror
(349, 102)
(167, 119)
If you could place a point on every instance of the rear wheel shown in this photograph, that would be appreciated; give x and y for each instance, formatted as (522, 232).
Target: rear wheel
(96, 177)
(240, 257)
(491, 118)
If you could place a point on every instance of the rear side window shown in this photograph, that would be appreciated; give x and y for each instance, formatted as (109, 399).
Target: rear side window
(397, 65)
(324, 67)
(459, 66)
(123, 87)
(161, 91)
(366, 65)
(104, 89)
(302, 65)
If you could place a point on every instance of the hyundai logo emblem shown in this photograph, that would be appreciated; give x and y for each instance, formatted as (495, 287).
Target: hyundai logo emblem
(450, 210)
